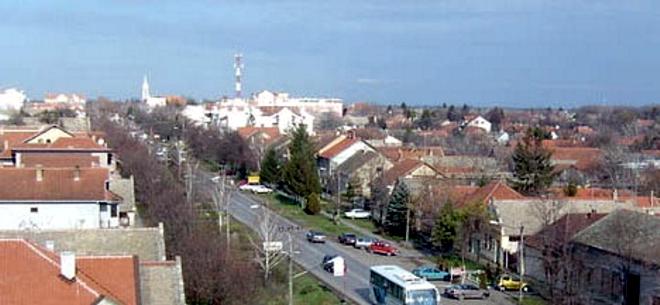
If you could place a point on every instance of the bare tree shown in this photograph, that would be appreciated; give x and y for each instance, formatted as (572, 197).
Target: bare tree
(268, 253)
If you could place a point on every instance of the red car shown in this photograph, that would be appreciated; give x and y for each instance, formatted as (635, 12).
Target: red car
(380, 247)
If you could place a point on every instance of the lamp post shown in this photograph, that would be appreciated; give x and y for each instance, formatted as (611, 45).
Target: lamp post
(290, 253)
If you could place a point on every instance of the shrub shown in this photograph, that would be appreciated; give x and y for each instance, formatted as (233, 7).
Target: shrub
(313, 204)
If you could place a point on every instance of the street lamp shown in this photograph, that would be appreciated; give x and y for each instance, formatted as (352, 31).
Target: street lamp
(288, 230)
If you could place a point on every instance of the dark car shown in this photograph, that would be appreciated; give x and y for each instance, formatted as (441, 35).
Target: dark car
(327, 264)
(347, 239)
(466, 291)
(315, 237)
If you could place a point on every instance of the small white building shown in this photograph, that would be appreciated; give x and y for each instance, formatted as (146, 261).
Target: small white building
(56, 198)
(12, 99)
(480, 122)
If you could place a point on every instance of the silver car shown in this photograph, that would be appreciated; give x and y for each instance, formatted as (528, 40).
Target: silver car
(363, 242)
(466, 291)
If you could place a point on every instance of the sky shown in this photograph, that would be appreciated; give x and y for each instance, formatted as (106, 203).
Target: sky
(523, 53)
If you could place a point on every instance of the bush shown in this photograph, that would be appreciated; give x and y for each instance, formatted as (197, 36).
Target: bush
(313, 204)
(570, 190)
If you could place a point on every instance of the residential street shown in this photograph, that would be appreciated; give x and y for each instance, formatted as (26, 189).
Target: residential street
(355, 285)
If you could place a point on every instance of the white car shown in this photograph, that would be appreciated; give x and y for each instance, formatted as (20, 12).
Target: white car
(247, 187)
(363, 243)
(260, 189)
(358, 214)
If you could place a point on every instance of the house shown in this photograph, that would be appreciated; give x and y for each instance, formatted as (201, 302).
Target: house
(377, 137)
(362, 168)
(478, 122)
(499, 241)
(409, 169)
(63, 98)
(56, 198)
(125, 190)
(339, 150)
(547, 253)
(53, 146)
(160, 280)
(260, 139)
(617, 259)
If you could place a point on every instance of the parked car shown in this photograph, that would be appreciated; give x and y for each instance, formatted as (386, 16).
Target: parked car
(347, 238)
(510, 282)
(247, 187)
(363, 242)
(380, 247)
(431, 273)
(326, 264)
(315, 237)
(466, 291)
(260, 189)
(358, 214)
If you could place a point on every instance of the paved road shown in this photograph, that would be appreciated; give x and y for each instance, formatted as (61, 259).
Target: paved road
(355, 285)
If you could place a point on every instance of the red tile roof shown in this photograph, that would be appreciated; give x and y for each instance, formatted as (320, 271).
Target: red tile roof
(496, 190)
(58, 160)
(30, 275)
(56, 184)
(396, 154)
(331, 152)
(581, 158)
(246, 132)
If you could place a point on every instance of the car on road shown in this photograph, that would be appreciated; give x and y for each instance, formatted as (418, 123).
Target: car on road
(466, 291)
(363, 242)
(260, 189)
(347, 239)
(357, 214)
(327, 264)
(315, 237)
(247, 187)
(216, 179)
(431, 273)
(510, 282)
(381, 247)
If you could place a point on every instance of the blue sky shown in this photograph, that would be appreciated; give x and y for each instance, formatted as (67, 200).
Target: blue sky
(512, 53)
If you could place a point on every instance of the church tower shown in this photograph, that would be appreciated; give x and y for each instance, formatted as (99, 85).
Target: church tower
(145, 89)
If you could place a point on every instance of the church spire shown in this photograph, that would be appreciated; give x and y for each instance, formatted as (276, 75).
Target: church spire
(145, 89)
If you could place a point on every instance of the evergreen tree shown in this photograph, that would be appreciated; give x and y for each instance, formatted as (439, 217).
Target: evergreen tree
(496, 116)
(270, 168)
(313, 206)
(426, 120)
(300, 175)
(395, 217)
(446, 227)
(533, 171)
(452, 115)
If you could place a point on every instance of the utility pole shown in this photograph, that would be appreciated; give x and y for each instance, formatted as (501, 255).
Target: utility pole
(338, 198)
(290, 269)
(407, 224)
(521, 265)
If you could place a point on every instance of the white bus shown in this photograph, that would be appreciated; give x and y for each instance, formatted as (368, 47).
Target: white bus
(392, 285)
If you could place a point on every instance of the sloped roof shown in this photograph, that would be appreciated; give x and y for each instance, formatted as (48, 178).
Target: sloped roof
(246, 132)
(403, 168)
(581, 158)
(336, 149)
(59, 160)
(562, 230)
(626, 233)
(356, 161)
(56, 184)
(146, 243)
(496, 190)
(40, 280)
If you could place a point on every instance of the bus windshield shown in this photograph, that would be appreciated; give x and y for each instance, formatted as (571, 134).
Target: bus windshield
(422, 297)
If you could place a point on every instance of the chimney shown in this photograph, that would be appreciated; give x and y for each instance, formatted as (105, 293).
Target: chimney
(68, 265)
(615, 195)
(50, 245)
(76, 173)
(6, 144)
(40, 173)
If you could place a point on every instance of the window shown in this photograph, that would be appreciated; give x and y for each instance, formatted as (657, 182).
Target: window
(34, 210)
(104, 207)
(113, 210)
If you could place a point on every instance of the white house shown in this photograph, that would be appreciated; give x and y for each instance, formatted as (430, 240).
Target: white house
(56, 198)
(12, 99)
(480, 122)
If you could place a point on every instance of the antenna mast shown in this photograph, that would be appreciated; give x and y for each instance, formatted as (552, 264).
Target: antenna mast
(238, 65)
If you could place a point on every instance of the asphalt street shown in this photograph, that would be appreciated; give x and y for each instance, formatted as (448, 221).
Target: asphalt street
(355, 284)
